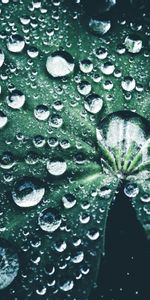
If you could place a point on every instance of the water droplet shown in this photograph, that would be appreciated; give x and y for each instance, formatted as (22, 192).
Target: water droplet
(145, 198)
(49, 219)
(16, 99)
(41, 112)
(107, 68)
(86, 66)
(32, 52)
(66, 285)
(56, 167)
(78, 257)
(101, 53)
(9, 264)
(84, 87)
(7, 160)
(133, 43)
(59, 64)
(69, 200)
(131, 190)
(60, 246)
(55, 121)
(2, 57)
(93, 234)
(15, 43)
(28, 192)
(3, 119)
(128, 84)
(93, 103)
(99, 27)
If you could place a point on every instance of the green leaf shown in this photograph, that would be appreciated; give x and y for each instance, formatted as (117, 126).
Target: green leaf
(65, 146)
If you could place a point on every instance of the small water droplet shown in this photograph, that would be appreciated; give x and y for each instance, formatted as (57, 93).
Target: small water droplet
(128, 84)
(56, 167)
(93, 103)
(15, 43)
(41, 112)
(68, 200)
(99, 27)
(131, 190)
(3, 119)
(16, 99)
(49, 219)
(86, 66)
(60, 63)
(66, 285)
(84, 87)
(133, 43)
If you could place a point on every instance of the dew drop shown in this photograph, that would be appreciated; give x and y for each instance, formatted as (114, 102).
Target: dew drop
(99, 27)
(78, 258)
(133, 43)
(93, 234)
(86, 66)
(15, 43)
(32, 52)
(55, 121)
(107, 68)
(49, 220)
(59, 64)
(28, 192)
(16, 99)
(66, 285)
(145, 198)
(3, 119)
(69, 200)
(84, 87)
(131, 190)
(93, 103)
(56, 167)
(41, 112)
(60, 246)
(101, 53)
(128, 84)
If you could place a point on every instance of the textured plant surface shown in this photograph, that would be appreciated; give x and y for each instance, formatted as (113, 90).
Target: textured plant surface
(74, 128)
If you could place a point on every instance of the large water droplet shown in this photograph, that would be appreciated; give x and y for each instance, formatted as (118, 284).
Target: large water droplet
(28, 192)
(93, 103)
(59, 64)
(15, 43)
(56, 167)
(9, 264)
(49, 219)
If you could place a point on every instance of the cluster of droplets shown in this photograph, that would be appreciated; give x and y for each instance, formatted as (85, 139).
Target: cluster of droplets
(95, 75)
